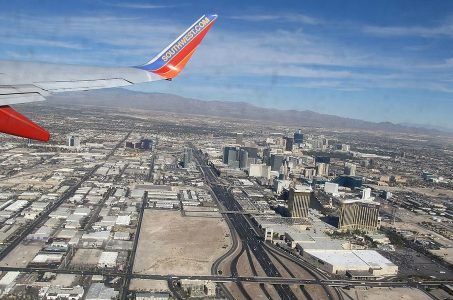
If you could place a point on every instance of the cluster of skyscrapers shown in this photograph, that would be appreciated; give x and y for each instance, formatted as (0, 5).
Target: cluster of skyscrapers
(239, 157)
(143, 144)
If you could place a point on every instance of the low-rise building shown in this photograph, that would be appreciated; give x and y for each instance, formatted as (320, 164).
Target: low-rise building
(108, 259)
(339, 262)
(98, 291)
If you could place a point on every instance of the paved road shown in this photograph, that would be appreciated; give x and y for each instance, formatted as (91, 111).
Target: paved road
(245, 233)
(255, 279)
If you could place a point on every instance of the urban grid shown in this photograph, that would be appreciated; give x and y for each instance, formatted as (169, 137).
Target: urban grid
(137, 204)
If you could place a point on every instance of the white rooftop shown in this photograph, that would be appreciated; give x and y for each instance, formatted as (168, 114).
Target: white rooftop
(351, 259)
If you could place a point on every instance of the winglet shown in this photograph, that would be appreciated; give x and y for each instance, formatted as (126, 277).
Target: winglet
(12, 122)
(170, 62)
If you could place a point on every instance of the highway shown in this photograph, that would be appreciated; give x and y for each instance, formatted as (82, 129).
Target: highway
(238, 219)
(244, 231)
(224, 279)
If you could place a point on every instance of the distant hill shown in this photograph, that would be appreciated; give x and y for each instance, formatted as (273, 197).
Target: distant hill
(123, 98)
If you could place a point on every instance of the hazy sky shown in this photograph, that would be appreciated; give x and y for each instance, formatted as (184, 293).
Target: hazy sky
(373, 60)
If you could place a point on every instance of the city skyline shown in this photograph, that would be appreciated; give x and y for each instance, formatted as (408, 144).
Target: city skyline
(378, 62)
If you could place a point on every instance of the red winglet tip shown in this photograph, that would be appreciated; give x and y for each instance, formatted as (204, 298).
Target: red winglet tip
(14, 123)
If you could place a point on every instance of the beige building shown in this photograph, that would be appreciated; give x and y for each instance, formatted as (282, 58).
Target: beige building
(359, 215)
(299, 201)
(198, 288)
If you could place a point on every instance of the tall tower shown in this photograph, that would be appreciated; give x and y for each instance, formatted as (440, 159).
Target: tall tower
(359, 215)
(299, 201)
(239, 138)
(74, 141)
(298, 137)
(349, 168)
(243, 159)
(289, 143)
(276, 162)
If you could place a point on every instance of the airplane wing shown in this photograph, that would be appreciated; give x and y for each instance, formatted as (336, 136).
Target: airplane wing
(22, 82)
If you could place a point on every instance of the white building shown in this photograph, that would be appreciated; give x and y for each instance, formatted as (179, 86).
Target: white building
(8, 281)
(341, 261)
(98, 291)
(366, 194)
(331, 188)
(73, 141)
(59, 292)
(123, 220)
(280, 185)
(108, 259)
(17, 205)
(260, 170)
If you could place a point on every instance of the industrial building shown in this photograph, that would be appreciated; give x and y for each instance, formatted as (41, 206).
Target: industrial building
(355, 263)
(108, 259)
(98, 291)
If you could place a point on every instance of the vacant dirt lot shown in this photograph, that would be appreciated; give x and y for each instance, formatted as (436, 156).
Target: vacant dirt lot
(148, 285)
(86, 257)
(172, 244)
(387, 293)
(21, 255)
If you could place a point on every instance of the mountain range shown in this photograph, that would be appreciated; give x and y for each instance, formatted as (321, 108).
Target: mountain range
(123, 98)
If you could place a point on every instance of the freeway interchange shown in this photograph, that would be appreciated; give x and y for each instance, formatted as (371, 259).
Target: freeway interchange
(239, 222)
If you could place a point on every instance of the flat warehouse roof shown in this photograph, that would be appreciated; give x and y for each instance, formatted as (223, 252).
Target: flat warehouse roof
(352, 258)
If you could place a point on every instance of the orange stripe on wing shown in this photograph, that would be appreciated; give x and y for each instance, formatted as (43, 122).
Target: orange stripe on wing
(175, 70)
(187, 51)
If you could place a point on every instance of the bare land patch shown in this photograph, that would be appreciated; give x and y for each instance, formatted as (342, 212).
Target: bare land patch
(148, 285)
(172, 244)
(388, 294)
(86, 257)
(21, 256)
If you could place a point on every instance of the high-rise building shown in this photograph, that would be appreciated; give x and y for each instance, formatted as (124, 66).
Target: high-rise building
(239, 138)
(309, 173)
(299, 201)
(289, 144)
(322, 169)
(267, 155)
(236, 157)
(359, 215)
(345, 147)
(146, 144)
(284, 171)
(352, 182)
(74, 141)
(252, 153)
(349, 169)
(243, 159)
(298, 137)
(276, 161)
(322, 159)
(366, 194)
(229, 154)
(143, 144)
(187, 157)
